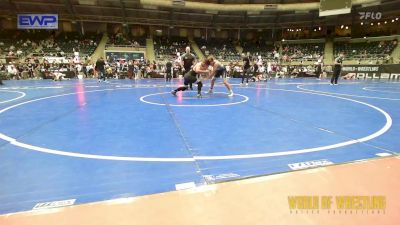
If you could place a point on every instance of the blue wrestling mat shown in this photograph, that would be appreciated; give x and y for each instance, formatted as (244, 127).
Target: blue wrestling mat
(86, 141)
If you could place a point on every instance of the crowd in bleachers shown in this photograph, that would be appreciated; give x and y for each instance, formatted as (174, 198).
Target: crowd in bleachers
(258, 48)
(369, 50)
(302, 52)
(67, 44)
(221, 49)
(119, 39)
(169, 48)
(16, 44)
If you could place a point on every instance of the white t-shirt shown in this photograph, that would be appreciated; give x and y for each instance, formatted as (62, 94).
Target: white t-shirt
(79, 67)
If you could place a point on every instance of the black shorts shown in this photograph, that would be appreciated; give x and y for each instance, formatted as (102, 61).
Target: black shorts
(190, 77)
(219, 72)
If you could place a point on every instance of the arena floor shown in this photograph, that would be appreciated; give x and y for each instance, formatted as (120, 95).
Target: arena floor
(87, 142)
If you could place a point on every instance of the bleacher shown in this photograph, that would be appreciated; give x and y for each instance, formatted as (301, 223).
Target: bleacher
(258, 49)
(303, 51)
(221, 49)
(24, 41)
(122, 40)
(70, 42)
(371, 50)
(167, 48)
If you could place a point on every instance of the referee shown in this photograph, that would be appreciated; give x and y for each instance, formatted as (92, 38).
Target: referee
(337, 69)
(187, 62)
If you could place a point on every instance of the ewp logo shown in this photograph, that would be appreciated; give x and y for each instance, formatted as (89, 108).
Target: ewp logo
(38, 21)
(370, 15)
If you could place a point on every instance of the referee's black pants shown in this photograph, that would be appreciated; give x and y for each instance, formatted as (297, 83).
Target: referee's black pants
(335, 76)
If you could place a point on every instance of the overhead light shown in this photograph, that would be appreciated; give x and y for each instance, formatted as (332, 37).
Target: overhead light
(385, 22)
(379, 23)
(365, 37)
(372, 24)
(319, 28)
(283, 39)
(347, 27)
(362, 23)
(392, 21)
(397, 18)
(178, 2)
(315, 29)
(342, 26)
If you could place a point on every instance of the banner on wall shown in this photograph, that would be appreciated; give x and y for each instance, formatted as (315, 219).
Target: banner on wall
(112, 56)
(37, 21)
(52, 59)
(390, 71)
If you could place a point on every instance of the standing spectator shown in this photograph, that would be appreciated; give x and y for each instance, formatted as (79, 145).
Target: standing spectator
(168, 71)
(319, 65)
(100, 69)
(246, 68)
(2, 69)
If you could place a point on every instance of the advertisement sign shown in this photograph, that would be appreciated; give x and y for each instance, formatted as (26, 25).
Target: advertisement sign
(37, 21)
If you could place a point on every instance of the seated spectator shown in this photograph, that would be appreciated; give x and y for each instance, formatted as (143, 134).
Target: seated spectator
(19, 52)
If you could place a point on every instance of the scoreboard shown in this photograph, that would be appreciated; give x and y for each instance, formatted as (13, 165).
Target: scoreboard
(334, 7)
